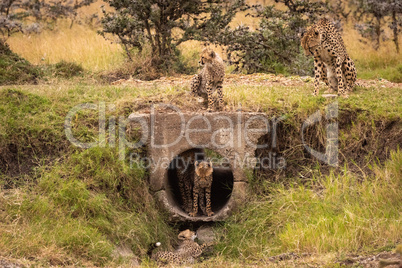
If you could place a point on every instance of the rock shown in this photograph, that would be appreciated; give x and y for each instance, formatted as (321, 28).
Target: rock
(206, 234)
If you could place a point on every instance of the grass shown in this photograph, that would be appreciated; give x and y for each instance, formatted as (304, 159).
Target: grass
(16, 70)
(384, 63)
(81, 207)
(79, 44)
(79, 210)
(330, 214)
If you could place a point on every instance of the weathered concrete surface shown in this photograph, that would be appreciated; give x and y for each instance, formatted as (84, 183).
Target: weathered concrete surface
(232, 135)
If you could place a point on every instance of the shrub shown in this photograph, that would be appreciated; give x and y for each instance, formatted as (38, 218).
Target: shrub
(14, 69)
(274, 46)
(164, 25)
(66, 69)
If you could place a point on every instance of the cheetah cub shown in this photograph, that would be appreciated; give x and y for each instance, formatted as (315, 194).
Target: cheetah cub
(187, 251)
(202, 188)
(210, 78)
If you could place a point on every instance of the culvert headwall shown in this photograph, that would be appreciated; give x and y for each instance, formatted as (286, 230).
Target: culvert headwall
(231, 138)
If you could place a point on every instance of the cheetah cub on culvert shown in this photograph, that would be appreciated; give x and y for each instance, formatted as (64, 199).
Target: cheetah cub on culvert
(210, 78)
(202, 188)
(187, 251)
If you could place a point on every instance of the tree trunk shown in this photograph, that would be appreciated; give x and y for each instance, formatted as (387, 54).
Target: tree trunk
(378, 33)
(395, 30)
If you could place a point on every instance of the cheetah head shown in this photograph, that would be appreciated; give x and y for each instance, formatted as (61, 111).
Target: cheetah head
(203, 168)
(207, 56)
(310, 40)
(187, 235)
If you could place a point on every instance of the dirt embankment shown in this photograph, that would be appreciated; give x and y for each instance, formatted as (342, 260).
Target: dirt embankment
(360, 145)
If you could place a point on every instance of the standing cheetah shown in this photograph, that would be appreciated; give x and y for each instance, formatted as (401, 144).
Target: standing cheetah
(331, 61)
(202, 188)
(185, 174)
(210, 78)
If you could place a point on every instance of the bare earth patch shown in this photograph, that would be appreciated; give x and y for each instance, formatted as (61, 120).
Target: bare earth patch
(251, 80)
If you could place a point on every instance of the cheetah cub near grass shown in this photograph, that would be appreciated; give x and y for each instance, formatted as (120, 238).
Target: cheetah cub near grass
(332, 63)
(210, 78)
(202, 188)
(187, 251)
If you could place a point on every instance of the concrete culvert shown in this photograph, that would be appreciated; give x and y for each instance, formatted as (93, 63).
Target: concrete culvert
(232, 136)
(222, 184)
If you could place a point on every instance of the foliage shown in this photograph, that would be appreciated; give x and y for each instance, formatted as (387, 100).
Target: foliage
(29, 16)
(66, 69)
(166, 24)
(374, 14)
(14, 69)
(274, 46)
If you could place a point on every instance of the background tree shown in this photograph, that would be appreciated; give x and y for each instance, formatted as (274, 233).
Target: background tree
(274, 46)
(396, 23)
(32, 15)
(372, 16)
(166, 24)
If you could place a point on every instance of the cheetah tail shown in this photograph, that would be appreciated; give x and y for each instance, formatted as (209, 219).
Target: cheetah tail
(152, 246)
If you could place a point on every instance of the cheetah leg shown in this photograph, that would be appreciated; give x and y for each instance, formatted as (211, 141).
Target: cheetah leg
(220, 95)
(317, 73)
(341, 86)
(187, 189)
(195, 84)
(205, 245)
(348, 68)
(209, 93)
(182, 189)
(208, 198)
(331, 78)
(196, 190)
(324, 77)
(202, 201)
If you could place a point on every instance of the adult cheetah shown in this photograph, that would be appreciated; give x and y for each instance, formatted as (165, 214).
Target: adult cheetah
(331, 61)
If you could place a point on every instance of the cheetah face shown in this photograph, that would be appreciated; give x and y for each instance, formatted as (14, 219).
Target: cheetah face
(187, 235)
(207, 56)
(203, 168)
(311, 40)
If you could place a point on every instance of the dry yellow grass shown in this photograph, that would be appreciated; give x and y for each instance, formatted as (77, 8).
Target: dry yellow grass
(80, 44)
(386, 54)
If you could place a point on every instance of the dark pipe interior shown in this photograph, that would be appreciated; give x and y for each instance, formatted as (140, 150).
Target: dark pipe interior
(222, 186)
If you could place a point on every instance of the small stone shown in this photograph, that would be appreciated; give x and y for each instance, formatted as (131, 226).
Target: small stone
(206, 234)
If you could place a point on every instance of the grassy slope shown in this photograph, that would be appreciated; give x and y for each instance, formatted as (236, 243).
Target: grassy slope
(335, 213)
(86, 204)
